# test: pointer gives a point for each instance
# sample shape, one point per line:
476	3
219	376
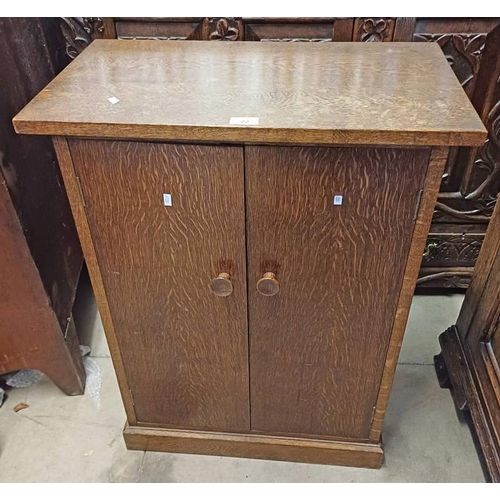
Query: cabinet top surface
318	93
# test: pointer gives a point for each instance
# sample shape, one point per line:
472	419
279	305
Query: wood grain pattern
334	93
254	446
317	348
423	221
184	348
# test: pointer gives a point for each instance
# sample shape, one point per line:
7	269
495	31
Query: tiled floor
65	439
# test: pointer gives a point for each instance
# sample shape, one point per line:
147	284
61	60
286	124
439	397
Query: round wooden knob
222	286
268	285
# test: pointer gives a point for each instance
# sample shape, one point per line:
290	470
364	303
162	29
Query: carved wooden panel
158	30
475	197
463	52
222	29
463	43
374	29
458	247
78	32
237	29
481	183
290	32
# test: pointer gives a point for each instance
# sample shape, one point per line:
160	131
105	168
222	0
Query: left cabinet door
165	221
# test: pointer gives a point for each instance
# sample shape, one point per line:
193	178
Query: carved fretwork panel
374	29
158	29
485	184
222	29
241	29
477	192
215	29
78	32
463	52
289	32
470	184
452	250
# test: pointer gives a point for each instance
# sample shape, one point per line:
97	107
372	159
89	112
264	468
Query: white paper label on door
167	199
337	199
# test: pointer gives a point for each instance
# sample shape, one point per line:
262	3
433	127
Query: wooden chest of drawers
253	217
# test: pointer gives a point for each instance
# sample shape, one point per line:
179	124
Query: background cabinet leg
442	372
67	371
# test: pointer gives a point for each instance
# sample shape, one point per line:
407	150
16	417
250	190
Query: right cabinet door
333	226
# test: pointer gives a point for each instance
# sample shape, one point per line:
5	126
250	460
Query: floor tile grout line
141	467
416	364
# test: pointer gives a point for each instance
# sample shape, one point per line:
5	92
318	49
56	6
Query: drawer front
184	348
318	346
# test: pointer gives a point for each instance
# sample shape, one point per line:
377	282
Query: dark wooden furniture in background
472	177
470	359
254	296
40	253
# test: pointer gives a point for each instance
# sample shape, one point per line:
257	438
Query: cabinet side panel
433	178
317	348
166	220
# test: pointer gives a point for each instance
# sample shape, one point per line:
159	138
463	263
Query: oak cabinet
254	235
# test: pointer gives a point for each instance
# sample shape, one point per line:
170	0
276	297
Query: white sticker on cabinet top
167	199
246	121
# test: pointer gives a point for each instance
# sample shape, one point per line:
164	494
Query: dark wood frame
41	255
468	364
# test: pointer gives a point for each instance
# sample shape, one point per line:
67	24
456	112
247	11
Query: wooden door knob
268	285
222	286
